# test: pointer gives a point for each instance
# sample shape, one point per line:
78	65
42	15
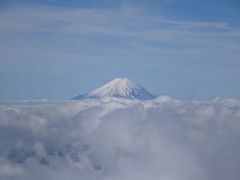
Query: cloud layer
113	139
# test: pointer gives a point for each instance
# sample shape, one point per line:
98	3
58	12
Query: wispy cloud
42	36
125	31
118	23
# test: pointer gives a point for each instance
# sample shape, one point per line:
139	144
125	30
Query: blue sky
58	49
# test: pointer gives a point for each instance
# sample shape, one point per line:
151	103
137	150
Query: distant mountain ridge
119	87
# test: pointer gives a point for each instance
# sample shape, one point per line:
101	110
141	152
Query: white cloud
120	139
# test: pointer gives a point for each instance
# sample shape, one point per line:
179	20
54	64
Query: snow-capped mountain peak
119	87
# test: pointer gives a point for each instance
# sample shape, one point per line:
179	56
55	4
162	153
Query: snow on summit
119	87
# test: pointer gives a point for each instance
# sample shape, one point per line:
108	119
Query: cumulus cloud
115	139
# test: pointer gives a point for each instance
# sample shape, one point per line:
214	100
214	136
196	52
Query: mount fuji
119	87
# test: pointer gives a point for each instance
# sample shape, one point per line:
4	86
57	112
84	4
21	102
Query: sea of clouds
119	139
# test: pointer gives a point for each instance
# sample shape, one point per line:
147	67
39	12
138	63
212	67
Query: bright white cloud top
116	139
